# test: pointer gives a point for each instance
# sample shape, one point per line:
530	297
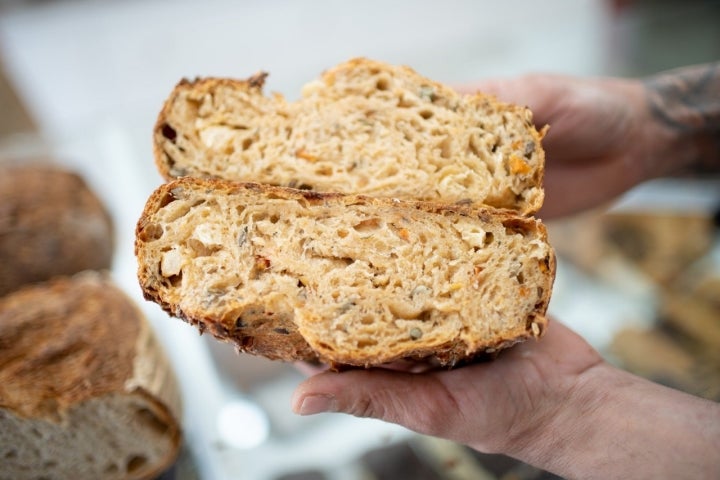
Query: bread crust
526	202
51	224
275	334
75	342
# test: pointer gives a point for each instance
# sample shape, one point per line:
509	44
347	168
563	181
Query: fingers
421	402
483	405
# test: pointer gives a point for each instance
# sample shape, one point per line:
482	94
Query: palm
484	405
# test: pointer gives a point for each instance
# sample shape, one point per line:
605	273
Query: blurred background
82	81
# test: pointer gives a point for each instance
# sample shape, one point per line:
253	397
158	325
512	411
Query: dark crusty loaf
345	279
364	127
85	391
51	224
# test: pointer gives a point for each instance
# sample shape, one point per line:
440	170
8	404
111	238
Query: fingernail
313	404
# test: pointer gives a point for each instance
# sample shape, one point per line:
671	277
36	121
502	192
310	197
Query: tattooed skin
687	101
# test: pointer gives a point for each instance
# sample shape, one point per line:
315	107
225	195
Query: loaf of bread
364	127
345	279
51	224
85	391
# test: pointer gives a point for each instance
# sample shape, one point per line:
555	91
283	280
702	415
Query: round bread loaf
85	390
51	224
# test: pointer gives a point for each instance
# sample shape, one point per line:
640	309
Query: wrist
615	425
683	110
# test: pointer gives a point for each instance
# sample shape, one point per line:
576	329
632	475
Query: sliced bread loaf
364	127
344	279
85	391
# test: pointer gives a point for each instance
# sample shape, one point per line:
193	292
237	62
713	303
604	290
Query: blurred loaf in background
86	391
51	223
669	253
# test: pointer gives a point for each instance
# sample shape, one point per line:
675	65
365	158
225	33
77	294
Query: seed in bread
344	279
364	127
51	224
85	391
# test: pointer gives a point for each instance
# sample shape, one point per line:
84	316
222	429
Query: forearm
684	105
616	425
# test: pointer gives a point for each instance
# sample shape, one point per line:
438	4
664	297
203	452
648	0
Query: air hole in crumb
367	320
368	225
150	420
325	170
50	464
150	232
36	433
382	84
274	218
10	454
168	132
426	114
247	143
366	343
540	291
520	278
135	463
489	238
446	148
111	468
342	233
174	280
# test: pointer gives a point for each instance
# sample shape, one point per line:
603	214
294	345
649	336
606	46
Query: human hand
602	140
491	406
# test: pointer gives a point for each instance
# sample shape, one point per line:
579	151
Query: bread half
364	127
85	390
344	279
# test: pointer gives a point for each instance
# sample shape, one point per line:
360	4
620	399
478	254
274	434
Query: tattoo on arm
687	101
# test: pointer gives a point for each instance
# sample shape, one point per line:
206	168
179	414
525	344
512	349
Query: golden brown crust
64	342
162	130
70	351
273	334
51	224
